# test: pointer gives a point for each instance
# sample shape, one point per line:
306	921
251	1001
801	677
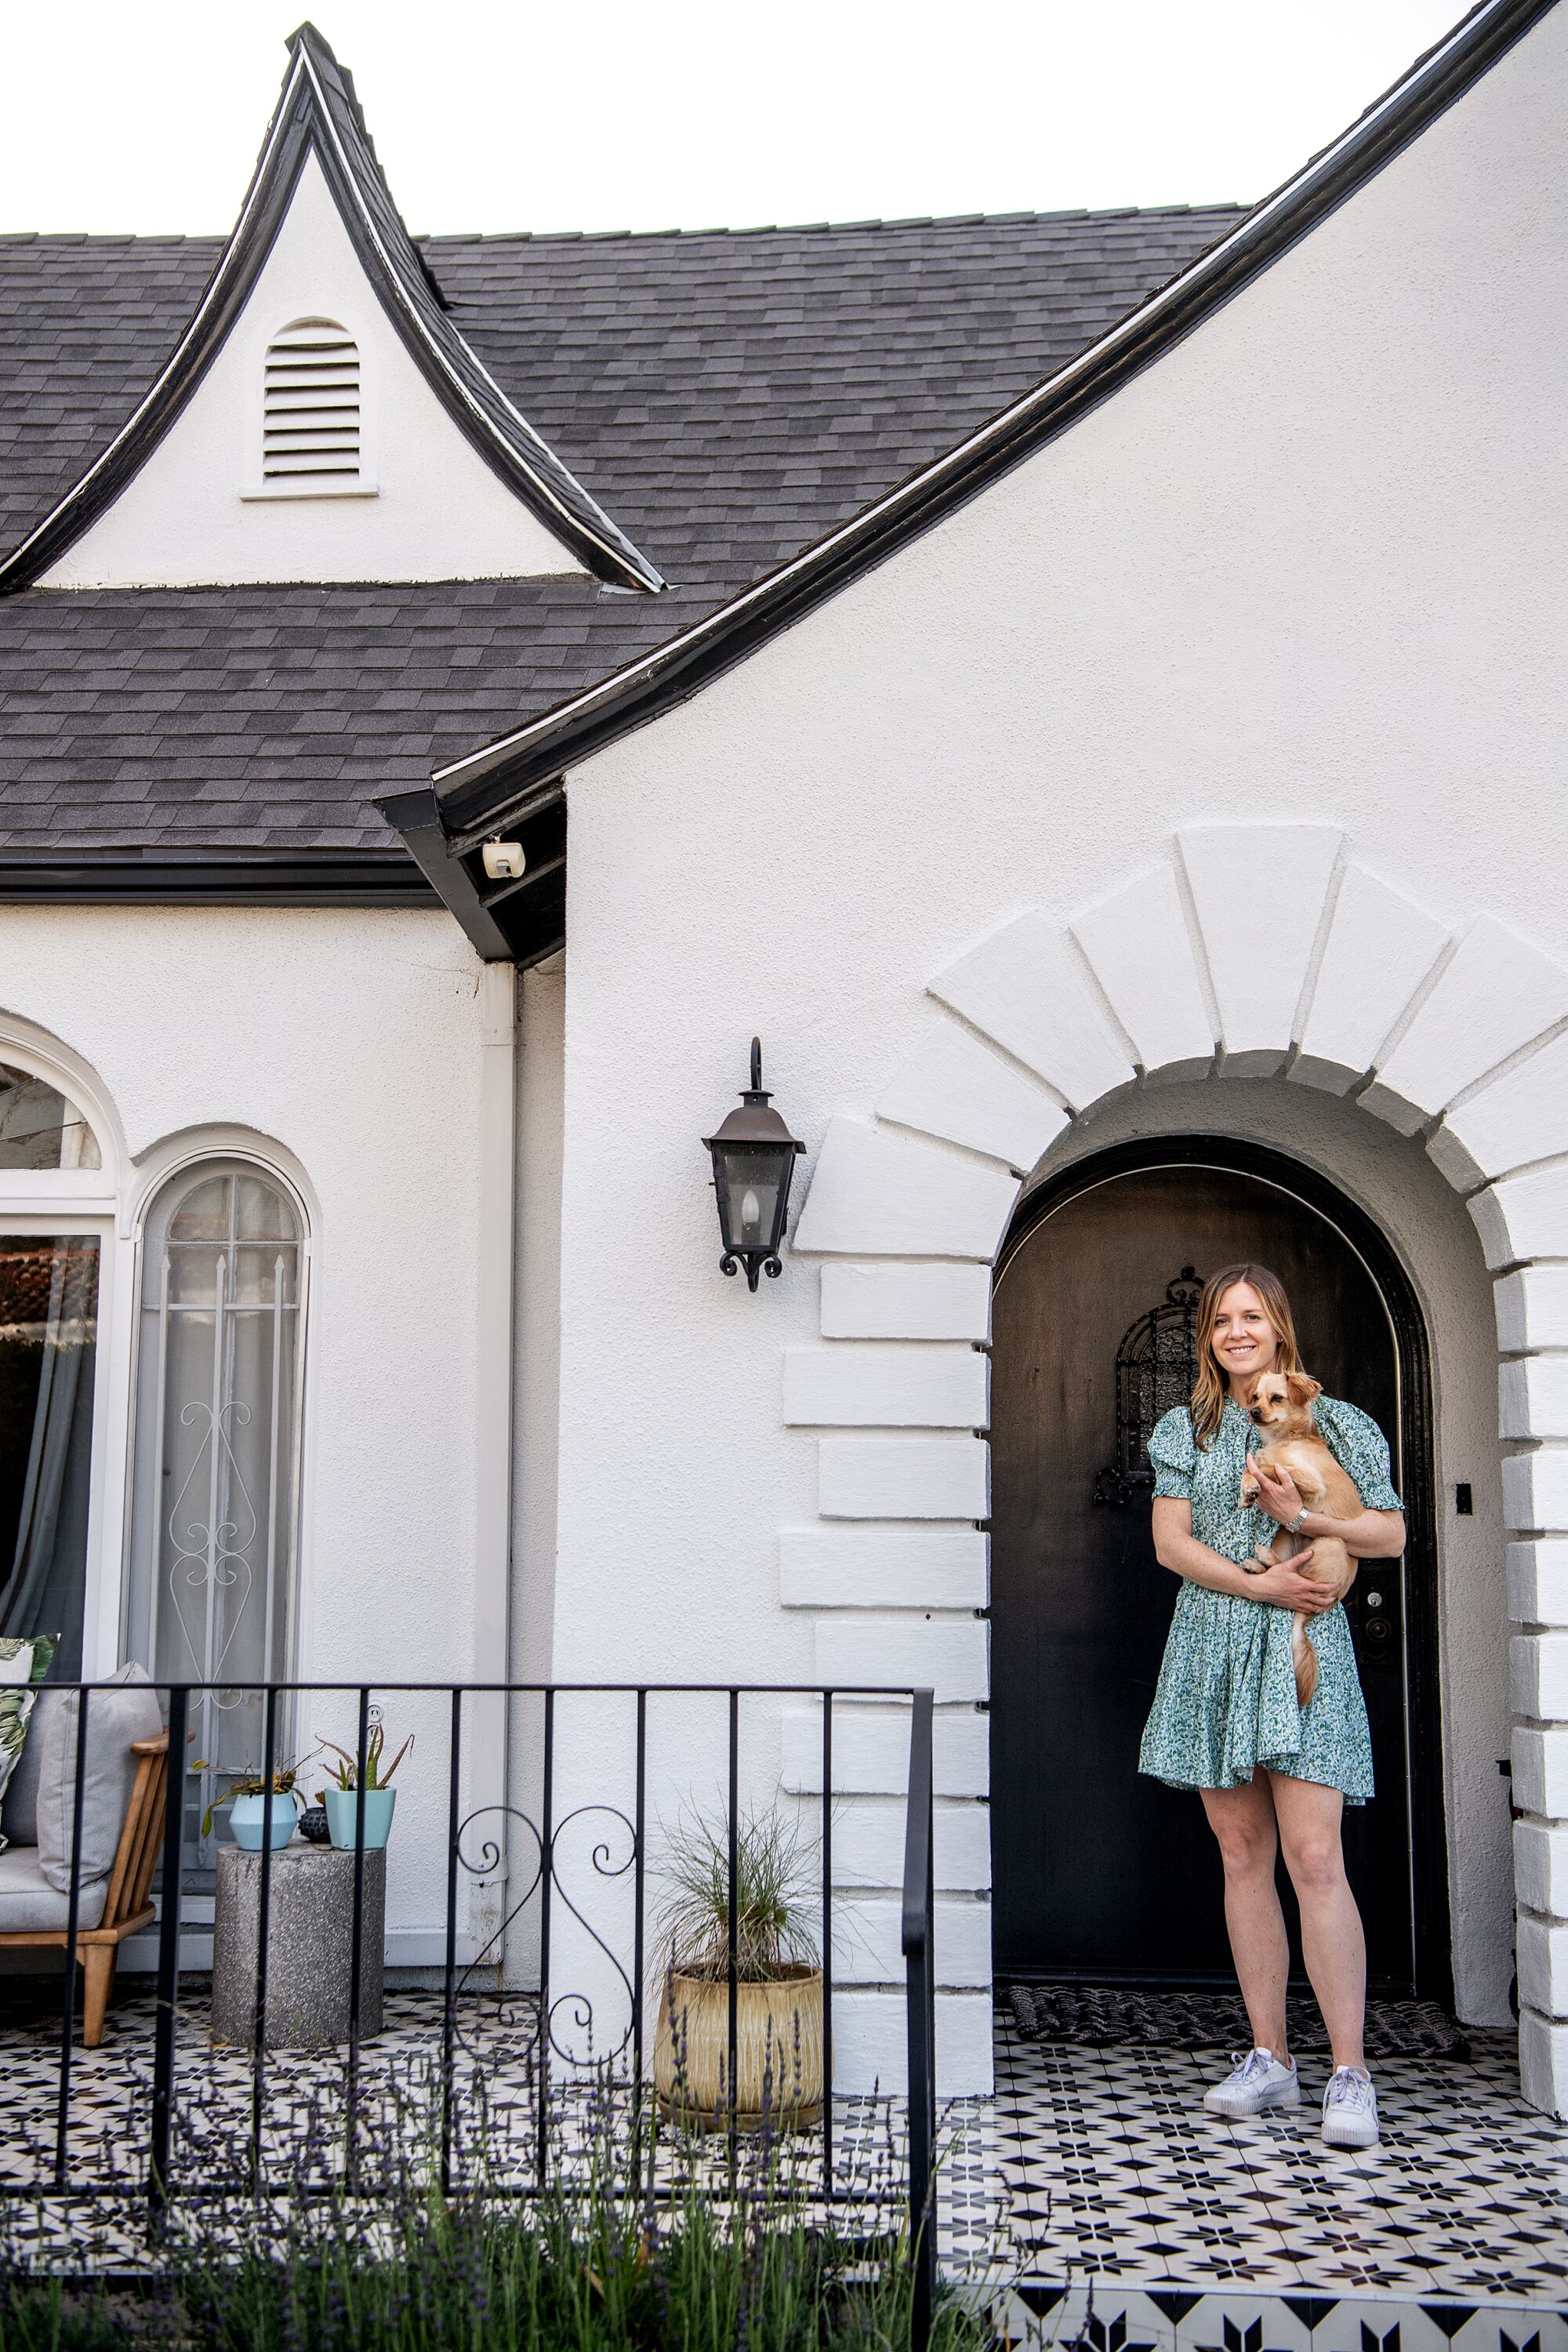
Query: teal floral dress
1226	1699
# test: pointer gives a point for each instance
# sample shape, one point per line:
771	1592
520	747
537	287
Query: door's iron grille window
212	1582
1156	1365
310	410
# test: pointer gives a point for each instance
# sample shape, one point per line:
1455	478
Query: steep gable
448	480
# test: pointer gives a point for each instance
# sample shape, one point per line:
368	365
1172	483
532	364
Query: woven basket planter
778	2046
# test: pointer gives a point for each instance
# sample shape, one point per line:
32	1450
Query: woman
1225	1720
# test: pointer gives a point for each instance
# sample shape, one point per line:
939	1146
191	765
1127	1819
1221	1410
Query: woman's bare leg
1332	1944
1243	1821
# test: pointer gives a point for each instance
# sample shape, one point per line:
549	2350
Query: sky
145	115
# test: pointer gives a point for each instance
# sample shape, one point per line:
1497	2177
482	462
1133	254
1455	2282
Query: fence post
168	1948
920	2007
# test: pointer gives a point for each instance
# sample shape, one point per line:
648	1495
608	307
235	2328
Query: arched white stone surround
1458	1042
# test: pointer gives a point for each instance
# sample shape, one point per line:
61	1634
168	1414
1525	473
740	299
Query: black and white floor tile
1138	2221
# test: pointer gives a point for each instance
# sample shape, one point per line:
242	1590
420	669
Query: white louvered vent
310	408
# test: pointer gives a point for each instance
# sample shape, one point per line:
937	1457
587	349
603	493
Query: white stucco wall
1310	567
438	511
348	1051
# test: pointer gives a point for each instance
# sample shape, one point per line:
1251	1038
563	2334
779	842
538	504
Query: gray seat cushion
28	1903
115	1716
19	1816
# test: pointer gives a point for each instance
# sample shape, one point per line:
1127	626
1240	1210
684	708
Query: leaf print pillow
24	1663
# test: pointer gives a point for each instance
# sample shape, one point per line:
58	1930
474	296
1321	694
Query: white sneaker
1256	2082
1349	2109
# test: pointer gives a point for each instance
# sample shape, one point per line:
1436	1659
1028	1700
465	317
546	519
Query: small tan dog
1282	1408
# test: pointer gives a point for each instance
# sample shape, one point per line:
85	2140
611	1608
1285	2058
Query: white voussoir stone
869	1845
1496	994
1226	867
1022	988
1540	1868
1380	949
872	1946
1531	1305
946	1654
1535	1490
1541	1954
871	1750
905	1302
1538	1676
1142	954
1519	1117
882	1568
1538	1582
903	1478
1532	1397
1540	1771
1523	1217
869	1386
870	2043
1543	2061
879	1195
957	1089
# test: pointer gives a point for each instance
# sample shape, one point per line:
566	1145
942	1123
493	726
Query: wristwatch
1293	1527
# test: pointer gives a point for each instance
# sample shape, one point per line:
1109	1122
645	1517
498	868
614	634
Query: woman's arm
1371	1534
1177	1549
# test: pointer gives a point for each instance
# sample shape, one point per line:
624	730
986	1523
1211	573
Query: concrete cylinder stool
309	1946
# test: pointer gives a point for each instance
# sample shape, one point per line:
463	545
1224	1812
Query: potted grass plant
778	2074
342	1797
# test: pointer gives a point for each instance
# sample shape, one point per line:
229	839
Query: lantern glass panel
751	1180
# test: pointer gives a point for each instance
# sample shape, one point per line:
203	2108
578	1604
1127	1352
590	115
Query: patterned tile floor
98	2221
1095	2198
1185	2230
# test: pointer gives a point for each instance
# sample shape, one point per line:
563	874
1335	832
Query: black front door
1099	1874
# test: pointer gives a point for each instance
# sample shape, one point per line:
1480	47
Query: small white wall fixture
1458	1037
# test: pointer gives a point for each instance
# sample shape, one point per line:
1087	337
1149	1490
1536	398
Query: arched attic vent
310	407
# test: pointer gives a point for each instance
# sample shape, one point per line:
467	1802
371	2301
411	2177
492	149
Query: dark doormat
1105	2015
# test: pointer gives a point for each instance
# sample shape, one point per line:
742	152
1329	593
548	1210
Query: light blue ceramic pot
247	1818
341	1807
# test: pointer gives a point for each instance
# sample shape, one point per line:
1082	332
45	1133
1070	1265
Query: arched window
310	408
212	1586
51	1163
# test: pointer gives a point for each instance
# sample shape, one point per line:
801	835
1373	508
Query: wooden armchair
127	1906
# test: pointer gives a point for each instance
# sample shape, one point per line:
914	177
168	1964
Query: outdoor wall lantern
753	1160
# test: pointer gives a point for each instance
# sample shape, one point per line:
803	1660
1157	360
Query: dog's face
1282	1404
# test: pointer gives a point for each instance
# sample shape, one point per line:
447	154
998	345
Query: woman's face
1245	1342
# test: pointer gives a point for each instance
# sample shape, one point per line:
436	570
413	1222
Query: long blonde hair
1209	1388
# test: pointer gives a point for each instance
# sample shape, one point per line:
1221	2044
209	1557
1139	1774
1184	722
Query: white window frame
85	1201
219	1149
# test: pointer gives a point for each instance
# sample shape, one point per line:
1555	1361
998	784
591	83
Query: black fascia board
520	921
349	878
483	790
316	113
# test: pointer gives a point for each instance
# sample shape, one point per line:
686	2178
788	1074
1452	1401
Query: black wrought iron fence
497	2065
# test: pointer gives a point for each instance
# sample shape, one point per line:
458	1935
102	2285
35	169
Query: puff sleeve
1360	1447
1174	1455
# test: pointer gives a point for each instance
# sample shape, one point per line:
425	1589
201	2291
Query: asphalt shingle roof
727	398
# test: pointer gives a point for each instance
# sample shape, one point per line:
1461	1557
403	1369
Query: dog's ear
1301	1389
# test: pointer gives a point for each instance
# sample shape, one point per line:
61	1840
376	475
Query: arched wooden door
1100	1875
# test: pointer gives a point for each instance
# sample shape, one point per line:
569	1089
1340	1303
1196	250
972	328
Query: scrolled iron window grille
1156	1365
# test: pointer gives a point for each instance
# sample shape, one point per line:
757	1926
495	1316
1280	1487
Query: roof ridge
1070	212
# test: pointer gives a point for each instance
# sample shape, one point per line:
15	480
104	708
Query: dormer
321	418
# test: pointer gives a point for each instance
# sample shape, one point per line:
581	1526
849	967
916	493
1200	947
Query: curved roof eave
475	794
317	112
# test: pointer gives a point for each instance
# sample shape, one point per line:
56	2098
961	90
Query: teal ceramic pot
341	1807
247	1820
